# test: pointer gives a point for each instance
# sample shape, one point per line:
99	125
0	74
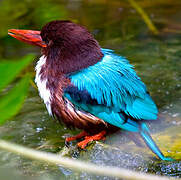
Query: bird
88	87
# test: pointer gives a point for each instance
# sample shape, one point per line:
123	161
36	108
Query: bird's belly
74	117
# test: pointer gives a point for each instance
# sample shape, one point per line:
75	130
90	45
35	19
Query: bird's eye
47	41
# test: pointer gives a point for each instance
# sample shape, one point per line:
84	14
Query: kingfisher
89	87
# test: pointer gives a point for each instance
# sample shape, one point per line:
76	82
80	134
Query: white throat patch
43	90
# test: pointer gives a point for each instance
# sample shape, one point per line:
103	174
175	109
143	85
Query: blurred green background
117	25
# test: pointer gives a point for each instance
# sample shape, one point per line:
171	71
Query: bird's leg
96	137
78	136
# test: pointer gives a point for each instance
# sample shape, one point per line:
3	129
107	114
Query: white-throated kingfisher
88	87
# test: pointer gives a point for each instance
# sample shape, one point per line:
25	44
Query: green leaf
11	103
10	69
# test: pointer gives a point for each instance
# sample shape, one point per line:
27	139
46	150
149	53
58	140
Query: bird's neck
70	58
57	63
48	74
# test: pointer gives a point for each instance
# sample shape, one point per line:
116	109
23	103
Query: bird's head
65	42
61	33
54	33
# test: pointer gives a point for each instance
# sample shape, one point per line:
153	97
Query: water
157	59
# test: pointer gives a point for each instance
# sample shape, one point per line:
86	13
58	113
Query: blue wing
116	88
112	91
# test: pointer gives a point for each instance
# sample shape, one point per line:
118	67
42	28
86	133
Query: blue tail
144	132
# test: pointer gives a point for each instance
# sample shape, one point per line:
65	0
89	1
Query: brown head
67	45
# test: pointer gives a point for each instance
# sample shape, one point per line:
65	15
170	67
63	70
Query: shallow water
157	60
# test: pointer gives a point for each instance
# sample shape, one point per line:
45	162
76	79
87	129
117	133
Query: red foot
78	136
100	136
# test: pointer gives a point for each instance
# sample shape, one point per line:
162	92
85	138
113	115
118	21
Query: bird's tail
144	132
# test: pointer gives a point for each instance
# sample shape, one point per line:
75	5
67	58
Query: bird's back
113	84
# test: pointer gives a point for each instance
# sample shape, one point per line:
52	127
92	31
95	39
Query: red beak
27	36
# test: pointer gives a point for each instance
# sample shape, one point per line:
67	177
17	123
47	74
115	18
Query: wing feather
114	83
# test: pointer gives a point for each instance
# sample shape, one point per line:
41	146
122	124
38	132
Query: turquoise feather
114	83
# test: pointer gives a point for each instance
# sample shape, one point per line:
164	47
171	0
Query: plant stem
77	165
145	17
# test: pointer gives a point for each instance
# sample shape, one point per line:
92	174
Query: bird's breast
41	82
